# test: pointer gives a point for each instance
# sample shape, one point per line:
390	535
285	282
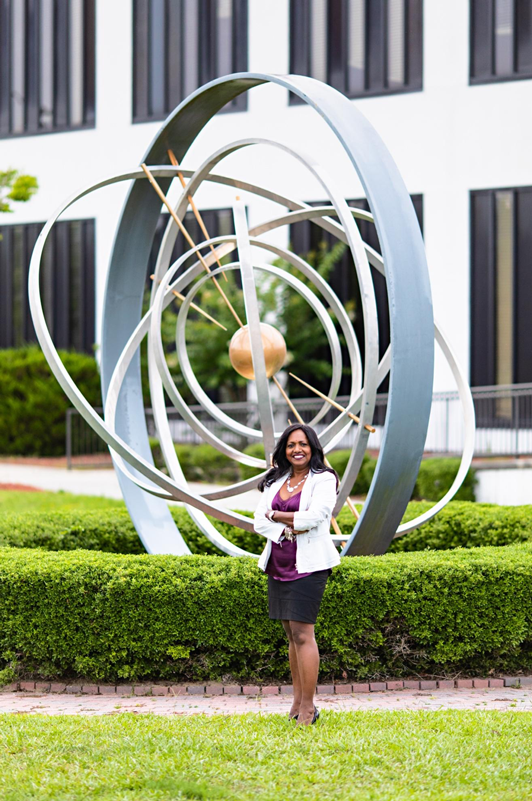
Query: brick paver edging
255	689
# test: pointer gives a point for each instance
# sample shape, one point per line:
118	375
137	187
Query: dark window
500	40
47	66
307	236
67	284
501	286
178	45
361	47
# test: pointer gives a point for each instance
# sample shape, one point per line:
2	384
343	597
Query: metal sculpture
256	350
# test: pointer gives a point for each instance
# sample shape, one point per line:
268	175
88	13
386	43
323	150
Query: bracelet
289	533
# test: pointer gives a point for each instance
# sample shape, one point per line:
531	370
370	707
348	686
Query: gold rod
189	239
287	399
300	420
194	306
194	208
332	402
200	310
335	526
353	508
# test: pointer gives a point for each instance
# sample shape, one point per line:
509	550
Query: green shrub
213	466
106	530
434	479
32	422
198	543
205	463
459	525
338	460
469	525
184	454
256	450
44	501
109	617
109	530
157	453
199	463
436	476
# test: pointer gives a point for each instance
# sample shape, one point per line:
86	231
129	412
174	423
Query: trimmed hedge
107	617
469	525
458	525
109	530
33	404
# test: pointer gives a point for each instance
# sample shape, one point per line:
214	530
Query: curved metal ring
464	391
164	538
312	275
408	288
294	283
359	257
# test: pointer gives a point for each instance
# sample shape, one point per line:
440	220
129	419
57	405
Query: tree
308	349
208	345
16	187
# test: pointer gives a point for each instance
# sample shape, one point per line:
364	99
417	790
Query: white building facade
86	84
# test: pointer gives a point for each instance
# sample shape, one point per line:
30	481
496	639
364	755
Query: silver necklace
292	489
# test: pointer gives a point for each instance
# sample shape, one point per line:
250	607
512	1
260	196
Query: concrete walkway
101	482
497	698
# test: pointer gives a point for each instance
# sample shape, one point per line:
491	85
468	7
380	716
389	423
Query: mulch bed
19	488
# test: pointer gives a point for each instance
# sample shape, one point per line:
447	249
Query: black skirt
299	599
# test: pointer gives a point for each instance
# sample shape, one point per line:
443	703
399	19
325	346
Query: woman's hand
280	517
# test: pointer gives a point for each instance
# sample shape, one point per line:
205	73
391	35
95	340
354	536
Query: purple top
282	562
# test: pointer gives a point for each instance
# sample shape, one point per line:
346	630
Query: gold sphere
274	351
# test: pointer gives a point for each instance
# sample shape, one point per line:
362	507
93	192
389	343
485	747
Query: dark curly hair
281	465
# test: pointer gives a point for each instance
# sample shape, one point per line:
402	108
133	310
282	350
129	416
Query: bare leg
294	669
308	662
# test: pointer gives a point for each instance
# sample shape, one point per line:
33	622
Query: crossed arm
287	518
321	506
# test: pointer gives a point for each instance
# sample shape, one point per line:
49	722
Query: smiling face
298	451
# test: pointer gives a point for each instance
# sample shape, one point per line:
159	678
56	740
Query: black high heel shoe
314	719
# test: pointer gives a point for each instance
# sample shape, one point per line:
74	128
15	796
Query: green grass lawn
13	501
377	755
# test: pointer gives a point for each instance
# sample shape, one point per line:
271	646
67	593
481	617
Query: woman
295	515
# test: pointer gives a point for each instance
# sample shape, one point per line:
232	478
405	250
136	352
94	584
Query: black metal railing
503	419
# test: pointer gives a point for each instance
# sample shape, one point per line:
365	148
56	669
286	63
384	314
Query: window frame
413	61
485	330
240	55
475	80
304	242
55	284
32	72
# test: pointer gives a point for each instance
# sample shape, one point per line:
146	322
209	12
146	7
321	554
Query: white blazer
315	548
